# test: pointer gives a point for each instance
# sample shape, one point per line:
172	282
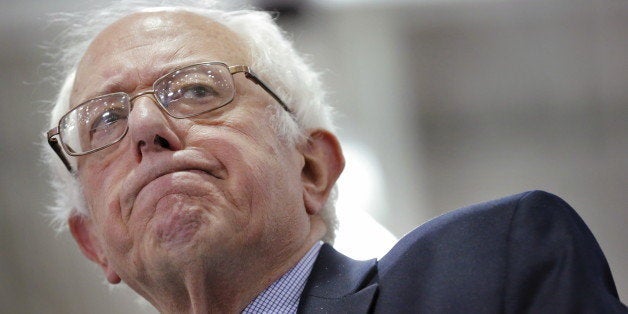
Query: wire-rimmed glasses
183	93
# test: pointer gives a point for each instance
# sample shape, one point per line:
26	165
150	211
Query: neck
204	290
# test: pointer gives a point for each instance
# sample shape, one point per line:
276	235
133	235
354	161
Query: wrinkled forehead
135	50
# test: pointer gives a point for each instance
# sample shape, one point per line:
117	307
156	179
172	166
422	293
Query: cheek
277	213
104	206
104	171
107	158
100	185
264	178
263	175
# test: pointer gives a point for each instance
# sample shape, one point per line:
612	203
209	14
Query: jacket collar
339	284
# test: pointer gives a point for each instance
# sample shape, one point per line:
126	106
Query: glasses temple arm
250	75
54	144
268	90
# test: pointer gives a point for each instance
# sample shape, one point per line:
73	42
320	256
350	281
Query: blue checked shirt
283	295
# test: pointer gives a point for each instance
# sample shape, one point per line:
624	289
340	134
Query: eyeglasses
183	93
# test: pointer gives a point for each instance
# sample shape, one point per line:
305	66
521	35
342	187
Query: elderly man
198	166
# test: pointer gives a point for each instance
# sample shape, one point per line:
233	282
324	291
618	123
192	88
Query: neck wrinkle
224	293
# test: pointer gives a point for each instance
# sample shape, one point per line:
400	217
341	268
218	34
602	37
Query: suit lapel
339	284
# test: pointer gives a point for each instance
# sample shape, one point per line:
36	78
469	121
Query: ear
323	164
83	231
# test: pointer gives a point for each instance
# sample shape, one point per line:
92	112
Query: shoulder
500	254
483	226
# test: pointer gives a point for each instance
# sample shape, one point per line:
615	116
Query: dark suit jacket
527	253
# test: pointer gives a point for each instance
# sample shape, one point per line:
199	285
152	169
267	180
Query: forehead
135	50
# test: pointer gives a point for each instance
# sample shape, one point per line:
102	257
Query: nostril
161	142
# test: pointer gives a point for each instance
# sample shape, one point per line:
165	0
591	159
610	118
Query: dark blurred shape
285	9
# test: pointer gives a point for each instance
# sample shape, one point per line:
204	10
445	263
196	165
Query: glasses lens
195	89
95	124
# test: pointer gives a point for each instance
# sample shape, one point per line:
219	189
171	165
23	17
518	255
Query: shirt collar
283	295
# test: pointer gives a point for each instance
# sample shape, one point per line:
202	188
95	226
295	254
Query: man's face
211	191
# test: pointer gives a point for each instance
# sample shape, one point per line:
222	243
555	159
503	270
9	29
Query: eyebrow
112	87
120	82
107	88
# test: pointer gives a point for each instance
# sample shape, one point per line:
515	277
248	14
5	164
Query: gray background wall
452	102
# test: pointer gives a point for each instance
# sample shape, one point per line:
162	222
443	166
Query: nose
150	129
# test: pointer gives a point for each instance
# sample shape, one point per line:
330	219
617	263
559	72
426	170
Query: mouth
145	174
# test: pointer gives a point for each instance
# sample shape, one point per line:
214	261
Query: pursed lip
150	170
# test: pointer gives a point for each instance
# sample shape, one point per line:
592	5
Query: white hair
274	60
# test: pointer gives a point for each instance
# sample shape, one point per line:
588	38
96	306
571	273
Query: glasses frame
57	145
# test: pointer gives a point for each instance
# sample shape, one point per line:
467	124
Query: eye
106	119
107	125
197	91
190	98
194	90
191	95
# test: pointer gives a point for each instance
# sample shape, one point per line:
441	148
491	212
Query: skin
197	215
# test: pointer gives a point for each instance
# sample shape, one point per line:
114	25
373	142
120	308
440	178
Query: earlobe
81	228
323	164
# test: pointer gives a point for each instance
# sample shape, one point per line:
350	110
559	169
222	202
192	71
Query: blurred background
442	103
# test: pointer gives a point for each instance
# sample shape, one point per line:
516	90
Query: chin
179	227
